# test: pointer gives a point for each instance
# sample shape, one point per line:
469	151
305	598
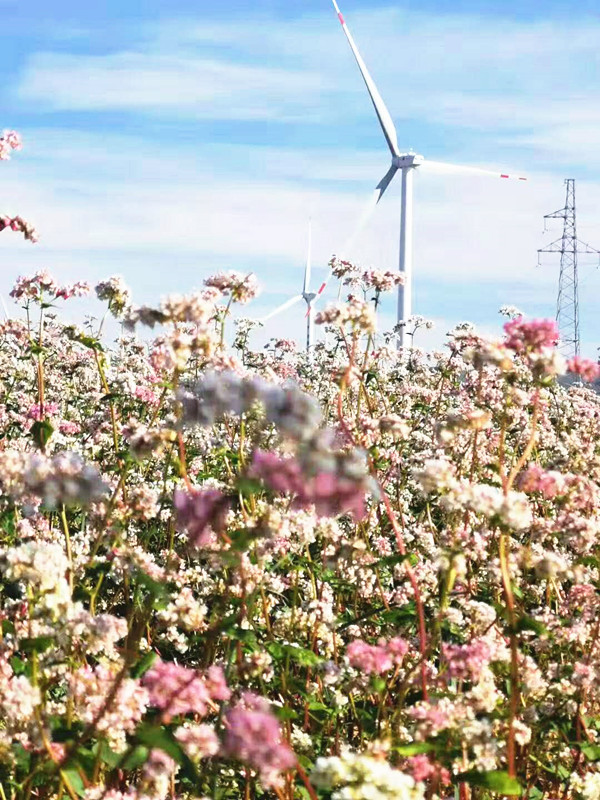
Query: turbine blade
288	303
385	182
318	294
440	166
383	115
308	267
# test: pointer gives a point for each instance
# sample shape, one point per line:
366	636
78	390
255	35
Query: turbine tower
307	295
407	163
569	247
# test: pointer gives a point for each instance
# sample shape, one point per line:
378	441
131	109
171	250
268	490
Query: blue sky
167	140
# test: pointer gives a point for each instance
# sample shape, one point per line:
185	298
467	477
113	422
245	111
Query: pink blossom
422	769
201	512
145	395
77	289
242	288
68	427
10	140
179	690
370	658
530	336
397	648
375	659
537	479
35	412
253	736
332	495
329	493
42	283
198	741
589	370
20	225
279	474
466	661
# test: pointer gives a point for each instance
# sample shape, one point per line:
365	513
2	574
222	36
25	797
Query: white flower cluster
512	509
116	292
41	566
359	314
63	479
356	776
292	411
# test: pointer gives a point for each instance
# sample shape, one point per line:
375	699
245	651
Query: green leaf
496	780
317	705
156	588
527	623
275	650
393	560
248	487
64	734
35	644
71	774
242	635
591	752
90	342
41	431
134	758
300	655
144	664
284	713
414	749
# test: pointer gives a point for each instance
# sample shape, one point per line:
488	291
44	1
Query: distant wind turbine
309	297
407	162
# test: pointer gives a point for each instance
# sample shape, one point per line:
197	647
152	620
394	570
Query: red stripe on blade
341	18
505	176
522	179
323	285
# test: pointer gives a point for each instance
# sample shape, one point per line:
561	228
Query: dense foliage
236	574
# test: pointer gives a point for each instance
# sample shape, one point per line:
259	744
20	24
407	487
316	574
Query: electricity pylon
569	247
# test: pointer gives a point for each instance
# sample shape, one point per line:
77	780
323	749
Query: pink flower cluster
178	690
42	283
584	367
530	336
329	493
36	412
253	735
91	686
242	288
201	513
21	226
383	280
466	661
422	768
537	479
10	140
375	659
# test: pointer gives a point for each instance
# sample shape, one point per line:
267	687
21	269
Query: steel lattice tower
569	247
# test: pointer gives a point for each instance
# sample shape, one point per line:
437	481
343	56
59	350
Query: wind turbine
306	295
407	163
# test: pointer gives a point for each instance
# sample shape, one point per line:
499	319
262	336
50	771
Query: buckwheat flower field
237	574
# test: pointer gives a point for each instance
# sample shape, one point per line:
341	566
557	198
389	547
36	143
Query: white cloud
467	72
210	88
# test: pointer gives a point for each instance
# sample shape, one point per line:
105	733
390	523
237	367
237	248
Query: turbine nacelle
407	160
